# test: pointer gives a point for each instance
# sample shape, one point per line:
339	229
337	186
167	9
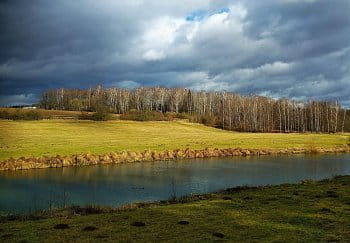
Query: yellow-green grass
307	212
67	137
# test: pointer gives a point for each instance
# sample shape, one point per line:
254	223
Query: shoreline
312	211
45	162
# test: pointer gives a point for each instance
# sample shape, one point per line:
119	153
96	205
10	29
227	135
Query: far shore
147	156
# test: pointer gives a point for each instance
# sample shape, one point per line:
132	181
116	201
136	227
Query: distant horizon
37	101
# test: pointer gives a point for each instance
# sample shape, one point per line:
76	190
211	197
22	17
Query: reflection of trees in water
152	173
155	172
48	198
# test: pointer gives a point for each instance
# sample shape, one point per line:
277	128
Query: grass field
67	137
306	212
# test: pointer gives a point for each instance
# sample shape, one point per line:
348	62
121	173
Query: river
114	185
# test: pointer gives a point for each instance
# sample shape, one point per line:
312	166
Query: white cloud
153	55
268	69
162	31
128	84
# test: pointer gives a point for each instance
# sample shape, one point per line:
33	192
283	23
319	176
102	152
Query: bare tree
231	111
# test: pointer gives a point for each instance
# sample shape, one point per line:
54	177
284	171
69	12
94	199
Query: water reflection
25	191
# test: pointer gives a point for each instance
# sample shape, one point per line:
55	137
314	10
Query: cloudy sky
280	48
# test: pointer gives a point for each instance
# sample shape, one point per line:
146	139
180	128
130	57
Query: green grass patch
67	137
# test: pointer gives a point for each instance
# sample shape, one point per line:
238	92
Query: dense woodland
222	109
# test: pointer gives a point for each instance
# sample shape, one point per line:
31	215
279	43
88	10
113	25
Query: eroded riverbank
58	161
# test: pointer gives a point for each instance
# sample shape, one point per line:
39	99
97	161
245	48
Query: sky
297	49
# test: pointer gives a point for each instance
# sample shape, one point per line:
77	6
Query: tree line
227	110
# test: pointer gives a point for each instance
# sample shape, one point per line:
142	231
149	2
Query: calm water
27	191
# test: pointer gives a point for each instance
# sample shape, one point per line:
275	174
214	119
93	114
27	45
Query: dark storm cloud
292	48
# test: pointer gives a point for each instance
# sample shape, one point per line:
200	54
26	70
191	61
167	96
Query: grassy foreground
67	137
305	212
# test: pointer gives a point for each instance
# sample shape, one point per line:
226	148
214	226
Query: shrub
135	115
19	114
101	116
33	115
182	115
169	116
84	116
208	120
203	119
4	114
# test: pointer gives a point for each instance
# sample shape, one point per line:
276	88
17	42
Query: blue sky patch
199	15
224	10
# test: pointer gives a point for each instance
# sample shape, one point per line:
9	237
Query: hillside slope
67	137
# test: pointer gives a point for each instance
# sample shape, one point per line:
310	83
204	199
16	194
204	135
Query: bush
182	115
85	116
101	115
169	116
34	115
20	114
208	120
4	114
135	115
